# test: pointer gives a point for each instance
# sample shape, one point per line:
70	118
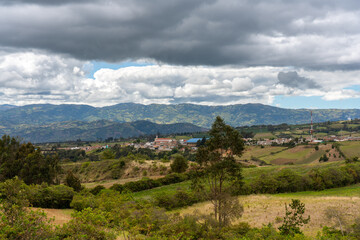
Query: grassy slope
350	149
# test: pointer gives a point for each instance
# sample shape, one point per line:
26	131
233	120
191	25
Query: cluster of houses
167	144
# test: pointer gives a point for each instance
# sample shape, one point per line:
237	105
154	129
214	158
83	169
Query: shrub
179	164
84	200
72	181
55	196
97	189
87	224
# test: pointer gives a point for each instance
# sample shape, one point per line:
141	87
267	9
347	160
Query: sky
284	53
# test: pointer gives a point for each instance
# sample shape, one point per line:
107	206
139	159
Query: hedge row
316	179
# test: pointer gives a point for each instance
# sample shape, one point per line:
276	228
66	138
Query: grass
60	216
264	209
350	149
258	152
348	191
264	135
163	190
293	155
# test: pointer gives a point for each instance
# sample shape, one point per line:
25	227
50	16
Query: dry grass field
264	209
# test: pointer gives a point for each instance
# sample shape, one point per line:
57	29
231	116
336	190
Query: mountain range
72	121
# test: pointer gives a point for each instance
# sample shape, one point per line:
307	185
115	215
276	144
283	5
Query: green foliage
147	183
72	181
26	162
87	224
108	154
179	164
293	218
288	180
18	222
97	189
116	169
324	158
180	199
74	155
219	170
53	196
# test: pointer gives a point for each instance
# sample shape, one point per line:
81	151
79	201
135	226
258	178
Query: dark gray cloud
308	34
293	80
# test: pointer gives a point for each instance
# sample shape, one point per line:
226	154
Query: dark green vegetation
218	174
93	131
26	162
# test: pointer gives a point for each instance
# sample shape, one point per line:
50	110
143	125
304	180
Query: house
193	142
164	143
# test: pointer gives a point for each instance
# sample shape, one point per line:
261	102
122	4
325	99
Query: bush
56	196
180	199
87	224
179	164
97	189
84	200
72	181
147	183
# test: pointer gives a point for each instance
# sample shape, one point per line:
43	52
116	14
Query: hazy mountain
91	131
235	115
6	107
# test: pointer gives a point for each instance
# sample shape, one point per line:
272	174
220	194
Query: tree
293	219
17	220
336	214
26	161
72	181
179	165
219	171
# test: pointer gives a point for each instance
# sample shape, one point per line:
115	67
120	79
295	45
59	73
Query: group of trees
27	162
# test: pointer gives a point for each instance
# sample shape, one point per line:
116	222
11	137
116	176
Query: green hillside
92	131
235	115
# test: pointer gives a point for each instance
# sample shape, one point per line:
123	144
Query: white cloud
38	77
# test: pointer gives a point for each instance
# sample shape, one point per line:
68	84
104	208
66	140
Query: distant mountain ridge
200	115
97	130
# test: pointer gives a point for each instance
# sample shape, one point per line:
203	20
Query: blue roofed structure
193	140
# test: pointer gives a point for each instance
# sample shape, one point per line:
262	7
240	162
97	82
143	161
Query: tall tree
219	174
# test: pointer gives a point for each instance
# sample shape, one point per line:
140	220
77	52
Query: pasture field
301	154
350	149
264	135
292	155
258	152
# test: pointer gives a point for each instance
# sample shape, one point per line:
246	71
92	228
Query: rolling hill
200	115
92	131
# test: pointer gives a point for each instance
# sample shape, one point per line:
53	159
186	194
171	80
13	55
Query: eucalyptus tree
219	174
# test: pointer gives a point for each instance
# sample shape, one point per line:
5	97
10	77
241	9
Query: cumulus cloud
306	34
39	77
293	80
34	77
